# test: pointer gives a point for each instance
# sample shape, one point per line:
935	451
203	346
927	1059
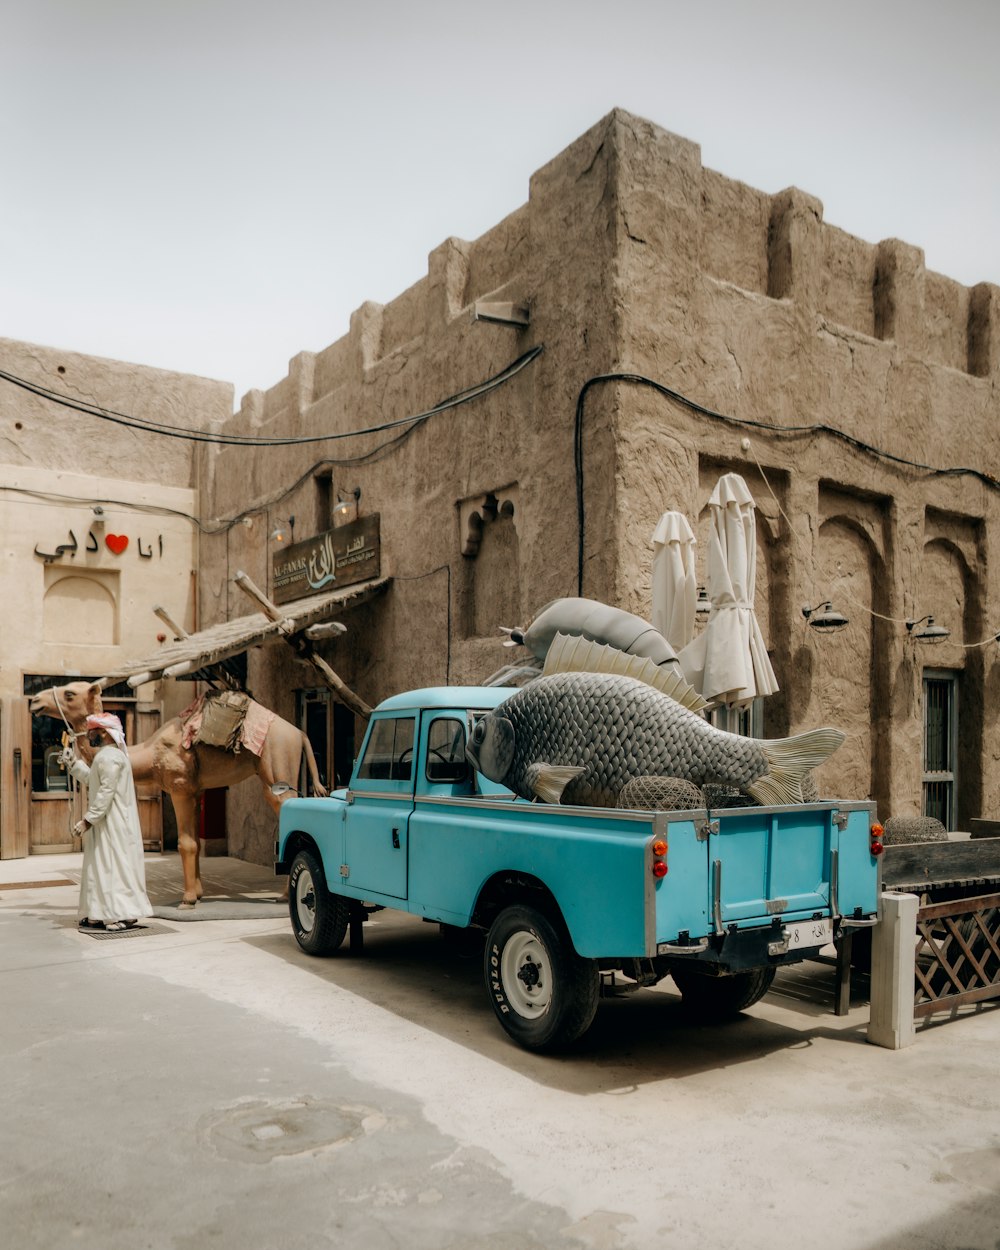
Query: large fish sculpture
579	737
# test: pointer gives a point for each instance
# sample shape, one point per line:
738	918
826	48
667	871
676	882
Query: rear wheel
716	998
543	993
319	918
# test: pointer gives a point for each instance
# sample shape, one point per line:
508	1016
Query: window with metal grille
940	744
747	721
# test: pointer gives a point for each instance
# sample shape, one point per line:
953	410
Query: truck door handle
395	839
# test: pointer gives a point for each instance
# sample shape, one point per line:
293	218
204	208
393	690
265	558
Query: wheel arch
511	886
300	840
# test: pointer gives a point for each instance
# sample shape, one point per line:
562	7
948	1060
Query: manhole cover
259	1131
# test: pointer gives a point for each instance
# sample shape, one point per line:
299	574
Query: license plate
807	934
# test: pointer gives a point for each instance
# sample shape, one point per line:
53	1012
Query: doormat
138	930
34	885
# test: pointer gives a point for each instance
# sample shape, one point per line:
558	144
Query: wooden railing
957	954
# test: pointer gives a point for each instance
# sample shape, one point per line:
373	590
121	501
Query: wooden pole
179	632
303	647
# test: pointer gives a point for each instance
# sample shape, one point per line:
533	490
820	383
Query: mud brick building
639	326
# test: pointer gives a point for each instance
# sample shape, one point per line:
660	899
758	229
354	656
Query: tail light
876	845
659	849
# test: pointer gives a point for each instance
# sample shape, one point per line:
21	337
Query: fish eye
479	733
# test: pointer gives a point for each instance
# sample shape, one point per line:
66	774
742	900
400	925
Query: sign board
339	557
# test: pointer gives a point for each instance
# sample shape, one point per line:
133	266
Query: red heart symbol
116	543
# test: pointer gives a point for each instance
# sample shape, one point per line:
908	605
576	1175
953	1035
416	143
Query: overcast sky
214	185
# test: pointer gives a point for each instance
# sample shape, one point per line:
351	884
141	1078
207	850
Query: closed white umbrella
728	662
674	583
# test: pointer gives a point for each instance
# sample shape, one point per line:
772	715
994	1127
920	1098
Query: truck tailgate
786	861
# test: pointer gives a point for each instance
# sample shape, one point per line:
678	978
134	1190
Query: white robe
113	880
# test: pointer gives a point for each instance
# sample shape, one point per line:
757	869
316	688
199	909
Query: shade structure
728	662
213	645
675	591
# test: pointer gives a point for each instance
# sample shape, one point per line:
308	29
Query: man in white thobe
113	880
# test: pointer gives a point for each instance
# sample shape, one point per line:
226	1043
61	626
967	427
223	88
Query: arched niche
950	592
80	610
848	688
490	592
945	578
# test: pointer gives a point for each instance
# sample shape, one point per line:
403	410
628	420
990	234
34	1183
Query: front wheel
543	993
715	998
319	918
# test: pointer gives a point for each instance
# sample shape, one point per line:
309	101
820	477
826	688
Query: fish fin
571	654
789	761
548	781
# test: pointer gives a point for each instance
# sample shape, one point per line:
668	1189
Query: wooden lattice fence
958	954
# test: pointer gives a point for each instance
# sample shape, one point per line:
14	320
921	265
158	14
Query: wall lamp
284	531
346	508
825	618
928	633
703	605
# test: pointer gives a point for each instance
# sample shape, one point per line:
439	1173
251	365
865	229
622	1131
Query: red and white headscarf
110	724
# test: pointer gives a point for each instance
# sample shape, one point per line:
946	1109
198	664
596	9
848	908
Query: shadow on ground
410	969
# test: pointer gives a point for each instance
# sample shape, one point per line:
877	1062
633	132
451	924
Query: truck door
378	818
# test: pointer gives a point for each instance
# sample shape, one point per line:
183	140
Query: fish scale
600	730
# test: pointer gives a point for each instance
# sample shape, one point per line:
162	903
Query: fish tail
789	761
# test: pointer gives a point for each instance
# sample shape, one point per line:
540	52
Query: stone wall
757	309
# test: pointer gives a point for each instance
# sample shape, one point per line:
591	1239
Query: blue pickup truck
716	899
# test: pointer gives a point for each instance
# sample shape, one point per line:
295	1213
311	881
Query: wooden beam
916	865
249	588
303	647
164	616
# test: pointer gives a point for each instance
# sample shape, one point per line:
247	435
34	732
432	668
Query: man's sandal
115	926
86	923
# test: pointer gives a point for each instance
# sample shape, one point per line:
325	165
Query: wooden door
148	793
15	777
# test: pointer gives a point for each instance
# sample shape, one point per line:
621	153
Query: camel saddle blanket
227	719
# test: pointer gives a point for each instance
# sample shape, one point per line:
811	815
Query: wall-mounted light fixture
505	313
929	632
284	532
703	605
346	508
825	618
99	518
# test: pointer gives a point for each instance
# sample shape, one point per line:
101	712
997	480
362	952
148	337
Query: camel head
78	700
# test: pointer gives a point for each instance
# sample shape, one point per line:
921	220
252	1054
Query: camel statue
185	772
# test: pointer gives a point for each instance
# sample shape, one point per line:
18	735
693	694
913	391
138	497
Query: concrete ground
203	1083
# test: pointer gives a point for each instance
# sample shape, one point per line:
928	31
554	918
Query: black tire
544	995
716	998
319	918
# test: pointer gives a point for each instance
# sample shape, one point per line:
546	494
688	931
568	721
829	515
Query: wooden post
303	647
179	632
894	946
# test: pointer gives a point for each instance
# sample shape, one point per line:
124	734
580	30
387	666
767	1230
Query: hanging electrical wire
769	427
405	425
147	426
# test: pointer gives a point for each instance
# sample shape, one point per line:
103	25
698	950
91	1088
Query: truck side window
446	760
389	754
